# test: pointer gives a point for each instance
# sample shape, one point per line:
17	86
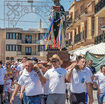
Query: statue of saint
58	12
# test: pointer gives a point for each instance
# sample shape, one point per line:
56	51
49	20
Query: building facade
17	43
84	24
100	21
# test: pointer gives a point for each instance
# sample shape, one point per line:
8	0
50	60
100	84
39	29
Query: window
28	39
85	30
18	48
12	47
76	14
10	35
35	37
71	35
12	58
79	29
19	36
7	47
93	21
28	51
82	8
7	58
7	36
40	36
41	48
14	35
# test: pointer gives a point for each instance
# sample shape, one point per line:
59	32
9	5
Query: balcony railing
77	38
24	53
29	42
70	42
99	5
84	11
69	21
100	38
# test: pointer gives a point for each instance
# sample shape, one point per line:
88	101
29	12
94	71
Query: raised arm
42	78
70	69
15	93
90	92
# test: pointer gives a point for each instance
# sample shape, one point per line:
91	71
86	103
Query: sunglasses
54	61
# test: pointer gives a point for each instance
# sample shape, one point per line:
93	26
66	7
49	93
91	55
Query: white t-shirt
31	82
87	69
3	72
100	79
20	67
8	85
79	80
56	79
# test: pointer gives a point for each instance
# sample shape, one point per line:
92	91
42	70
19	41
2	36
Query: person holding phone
80	82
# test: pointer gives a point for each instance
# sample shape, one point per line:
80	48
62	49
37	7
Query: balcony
77	38
100	38
69	22
100	8
31	42
28	54
69	42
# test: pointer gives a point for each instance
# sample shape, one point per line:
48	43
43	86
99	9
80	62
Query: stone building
84	23
16	43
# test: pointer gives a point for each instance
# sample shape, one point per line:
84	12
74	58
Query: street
17	100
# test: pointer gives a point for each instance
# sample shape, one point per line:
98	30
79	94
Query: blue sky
29	20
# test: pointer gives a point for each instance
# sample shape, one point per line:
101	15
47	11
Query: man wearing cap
56	76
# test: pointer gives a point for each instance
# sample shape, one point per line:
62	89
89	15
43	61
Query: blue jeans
34	99
86	98
24	98
101	98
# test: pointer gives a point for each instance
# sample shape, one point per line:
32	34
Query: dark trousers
77	98
1	93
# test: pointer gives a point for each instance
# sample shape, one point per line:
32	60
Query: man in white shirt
56	77
3	73
20	68
80	82
99	82
32	83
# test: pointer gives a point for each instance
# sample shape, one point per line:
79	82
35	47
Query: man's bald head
29	65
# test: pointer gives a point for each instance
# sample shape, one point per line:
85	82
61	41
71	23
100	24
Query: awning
81	51
98	49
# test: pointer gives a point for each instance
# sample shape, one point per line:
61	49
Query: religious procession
62	64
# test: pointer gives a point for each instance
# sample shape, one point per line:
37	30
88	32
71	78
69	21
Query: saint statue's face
56	1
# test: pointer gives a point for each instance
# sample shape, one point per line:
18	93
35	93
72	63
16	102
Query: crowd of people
49	83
